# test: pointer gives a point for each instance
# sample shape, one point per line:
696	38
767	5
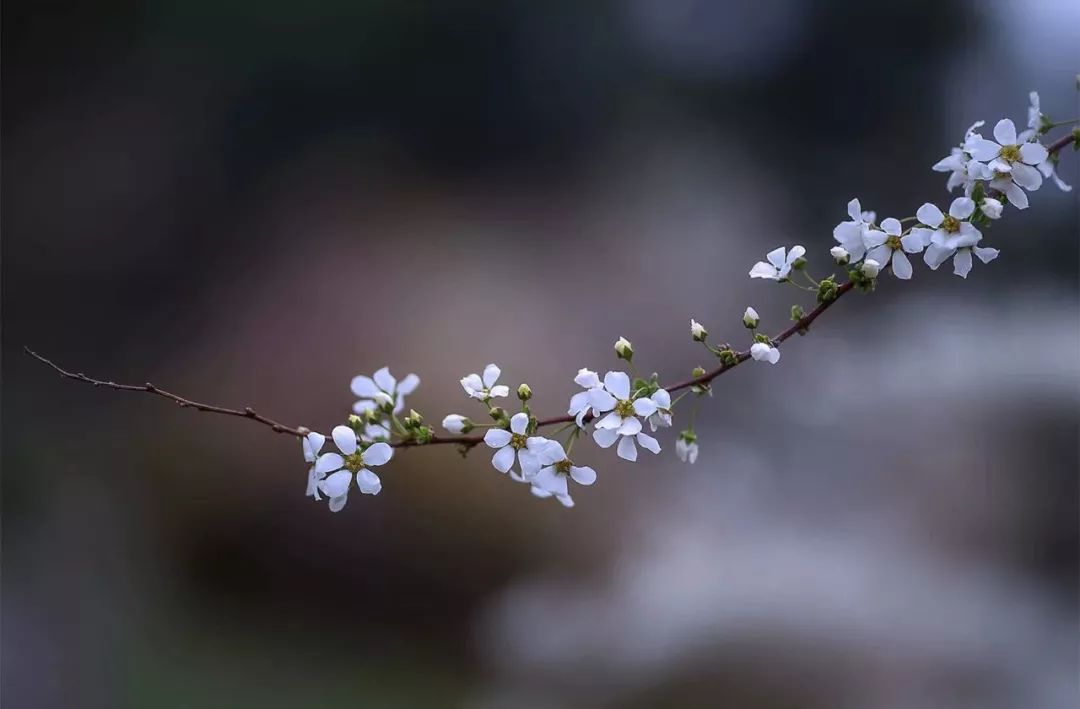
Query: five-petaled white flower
850	234
963	170
950	231
484	387
621	422
780	262
890	243
382	389
513	445
352	461
311	444
556	468
1011	160
581	402
764	352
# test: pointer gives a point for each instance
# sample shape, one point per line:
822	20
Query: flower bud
356	423
827	290
750	318
623	349
457	424
727	356
991	208
698	331
498	414
413	420
524	392
799	264
697	372
840	255
797	313
384	401
870	268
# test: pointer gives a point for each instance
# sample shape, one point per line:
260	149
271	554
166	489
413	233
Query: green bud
688	435
698	331
697	372
623	349
750	318
827	290
413	420
498	414
423	434
727	356
524	392
800	264
356	423
797	313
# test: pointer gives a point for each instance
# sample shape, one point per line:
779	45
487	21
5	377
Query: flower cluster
622	410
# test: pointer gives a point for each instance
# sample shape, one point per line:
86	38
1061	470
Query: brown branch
468	441
247	412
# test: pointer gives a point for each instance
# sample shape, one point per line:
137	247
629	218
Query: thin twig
466	441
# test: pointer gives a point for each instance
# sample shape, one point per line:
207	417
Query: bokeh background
250	203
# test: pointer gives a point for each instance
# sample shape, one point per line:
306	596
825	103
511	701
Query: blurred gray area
251	203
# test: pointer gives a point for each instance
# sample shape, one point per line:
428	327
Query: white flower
686	450
557	468
763	352
991	208
779	263
889	244
352	461
455	423
1009	157
382	389
698	331
514	444
870	268
840	255
963	170
950	232
850	234
484	388
936	255
660	403
311	444
750	318
582	401
621	424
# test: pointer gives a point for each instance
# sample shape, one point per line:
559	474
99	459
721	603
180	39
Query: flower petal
368	482
982	149
881	254
776	257
604	437
491	375
583	475
962	263
644	407
901	265
337	484
630	427
986	255
618	383
378	453
1033	153
344	439
1027	177
328	462
408	385
916	240
962	208
892	226
763	270
472	384
519	423
1005	132
363	387
602	400
384	380
874	238
499	390
627	450
587	378
503	459
497	437
648	443
337	504
930	215
610	422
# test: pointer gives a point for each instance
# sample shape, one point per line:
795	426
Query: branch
464	440
148	388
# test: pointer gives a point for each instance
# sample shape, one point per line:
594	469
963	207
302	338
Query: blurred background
249	203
